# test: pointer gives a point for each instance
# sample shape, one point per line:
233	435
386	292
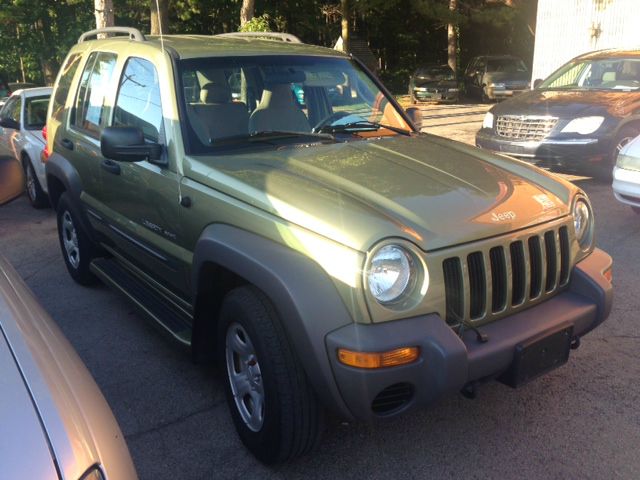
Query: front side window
94	85
11	109
35	112
138	103
599	74
234	98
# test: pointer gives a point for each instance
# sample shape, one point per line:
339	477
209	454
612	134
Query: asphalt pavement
580	421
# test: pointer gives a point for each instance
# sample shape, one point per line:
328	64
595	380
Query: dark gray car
496	77
433	83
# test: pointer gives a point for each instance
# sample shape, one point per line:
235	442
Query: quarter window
67	73
138	103
94	85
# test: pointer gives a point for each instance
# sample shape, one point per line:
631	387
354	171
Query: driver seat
278	110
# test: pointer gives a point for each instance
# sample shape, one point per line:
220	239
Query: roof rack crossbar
134	33
285	37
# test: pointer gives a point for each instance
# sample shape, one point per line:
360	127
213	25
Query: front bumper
502	93
626	186
449	362
558	152
435	96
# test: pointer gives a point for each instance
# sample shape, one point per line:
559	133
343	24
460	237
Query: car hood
431	191
421	82
24	448
507	77
570	103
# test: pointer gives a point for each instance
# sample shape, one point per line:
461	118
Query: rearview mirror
127	144
537	82
415	115
9	123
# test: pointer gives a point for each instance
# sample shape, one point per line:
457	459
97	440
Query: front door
140	200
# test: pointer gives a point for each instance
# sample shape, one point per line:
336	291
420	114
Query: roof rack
284	37
134	33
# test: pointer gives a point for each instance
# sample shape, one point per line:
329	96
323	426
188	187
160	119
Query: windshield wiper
286	133
362	125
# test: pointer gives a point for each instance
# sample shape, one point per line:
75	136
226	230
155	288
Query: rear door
9	136
80	142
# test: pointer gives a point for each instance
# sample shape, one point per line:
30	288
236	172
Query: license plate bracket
539	355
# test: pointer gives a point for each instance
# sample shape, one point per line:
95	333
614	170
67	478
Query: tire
257	359
77	248
484	98
35	194
624	136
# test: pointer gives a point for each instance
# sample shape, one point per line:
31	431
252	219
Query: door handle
110	166
66	143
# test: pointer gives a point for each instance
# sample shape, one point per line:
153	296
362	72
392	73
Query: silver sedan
54	422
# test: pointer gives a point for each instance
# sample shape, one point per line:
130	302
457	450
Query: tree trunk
345	7
103	10
159	24
452	38
247	11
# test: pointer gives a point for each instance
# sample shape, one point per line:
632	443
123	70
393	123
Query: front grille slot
487	283
498	279
518	282
552	260
454	288
477	285
535	263
564	255
524	128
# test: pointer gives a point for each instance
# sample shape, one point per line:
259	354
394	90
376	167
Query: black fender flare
304	296
59	169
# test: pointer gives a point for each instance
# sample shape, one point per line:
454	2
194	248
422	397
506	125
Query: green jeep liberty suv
271	206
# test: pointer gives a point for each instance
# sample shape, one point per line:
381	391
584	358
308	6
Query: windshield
232	99
435	73
601	74
509	65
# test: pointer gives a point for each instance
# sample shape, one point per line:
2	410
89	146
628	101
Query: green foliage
402	33
257	24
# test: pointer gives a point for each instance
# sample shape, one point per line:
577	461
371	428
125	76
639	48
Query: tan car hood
426	189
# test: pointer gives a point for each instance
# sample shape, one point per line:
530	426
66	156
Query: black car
433	83
496	77
577	119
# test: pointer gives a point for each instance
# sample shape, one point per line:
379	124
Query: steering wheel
329	120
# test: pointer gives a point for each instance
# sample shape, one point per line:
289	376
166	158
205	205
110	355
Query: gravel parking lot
580	421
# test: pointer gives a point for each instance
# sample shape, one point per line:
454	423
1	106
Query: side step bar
148	302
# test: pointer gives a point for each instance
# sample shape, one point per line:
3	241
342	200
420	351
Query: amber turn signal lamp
608	274
392	358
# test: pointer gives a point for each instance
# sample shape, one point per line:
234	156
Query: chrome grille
524	128
481	285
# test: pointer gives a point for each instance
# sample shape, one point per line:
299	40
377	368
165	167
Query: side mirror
537	82
415	115
9	123
126	144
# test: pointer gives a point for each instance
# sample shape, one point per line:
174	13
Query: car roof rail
134	33
284	37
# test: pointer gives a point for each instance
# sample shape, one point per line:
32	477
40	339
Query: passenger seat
217	115
278	110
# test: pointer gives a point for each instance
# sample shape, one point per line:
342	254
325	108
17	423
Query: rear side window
67	73
35	112
94	85
138	103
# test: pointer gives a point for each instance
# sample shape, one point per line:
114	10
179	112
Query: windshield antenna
160	25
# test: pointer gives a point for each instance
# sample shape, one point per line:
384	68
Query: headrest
215	93
278	95
608	77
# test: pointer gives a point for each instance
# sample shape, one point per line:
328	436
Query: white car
21	120
626	175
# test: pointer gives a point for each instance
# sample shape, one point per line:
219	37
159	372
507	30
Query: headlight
582	222
488	120
583	125
628	162
453	89
496	85
391	273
